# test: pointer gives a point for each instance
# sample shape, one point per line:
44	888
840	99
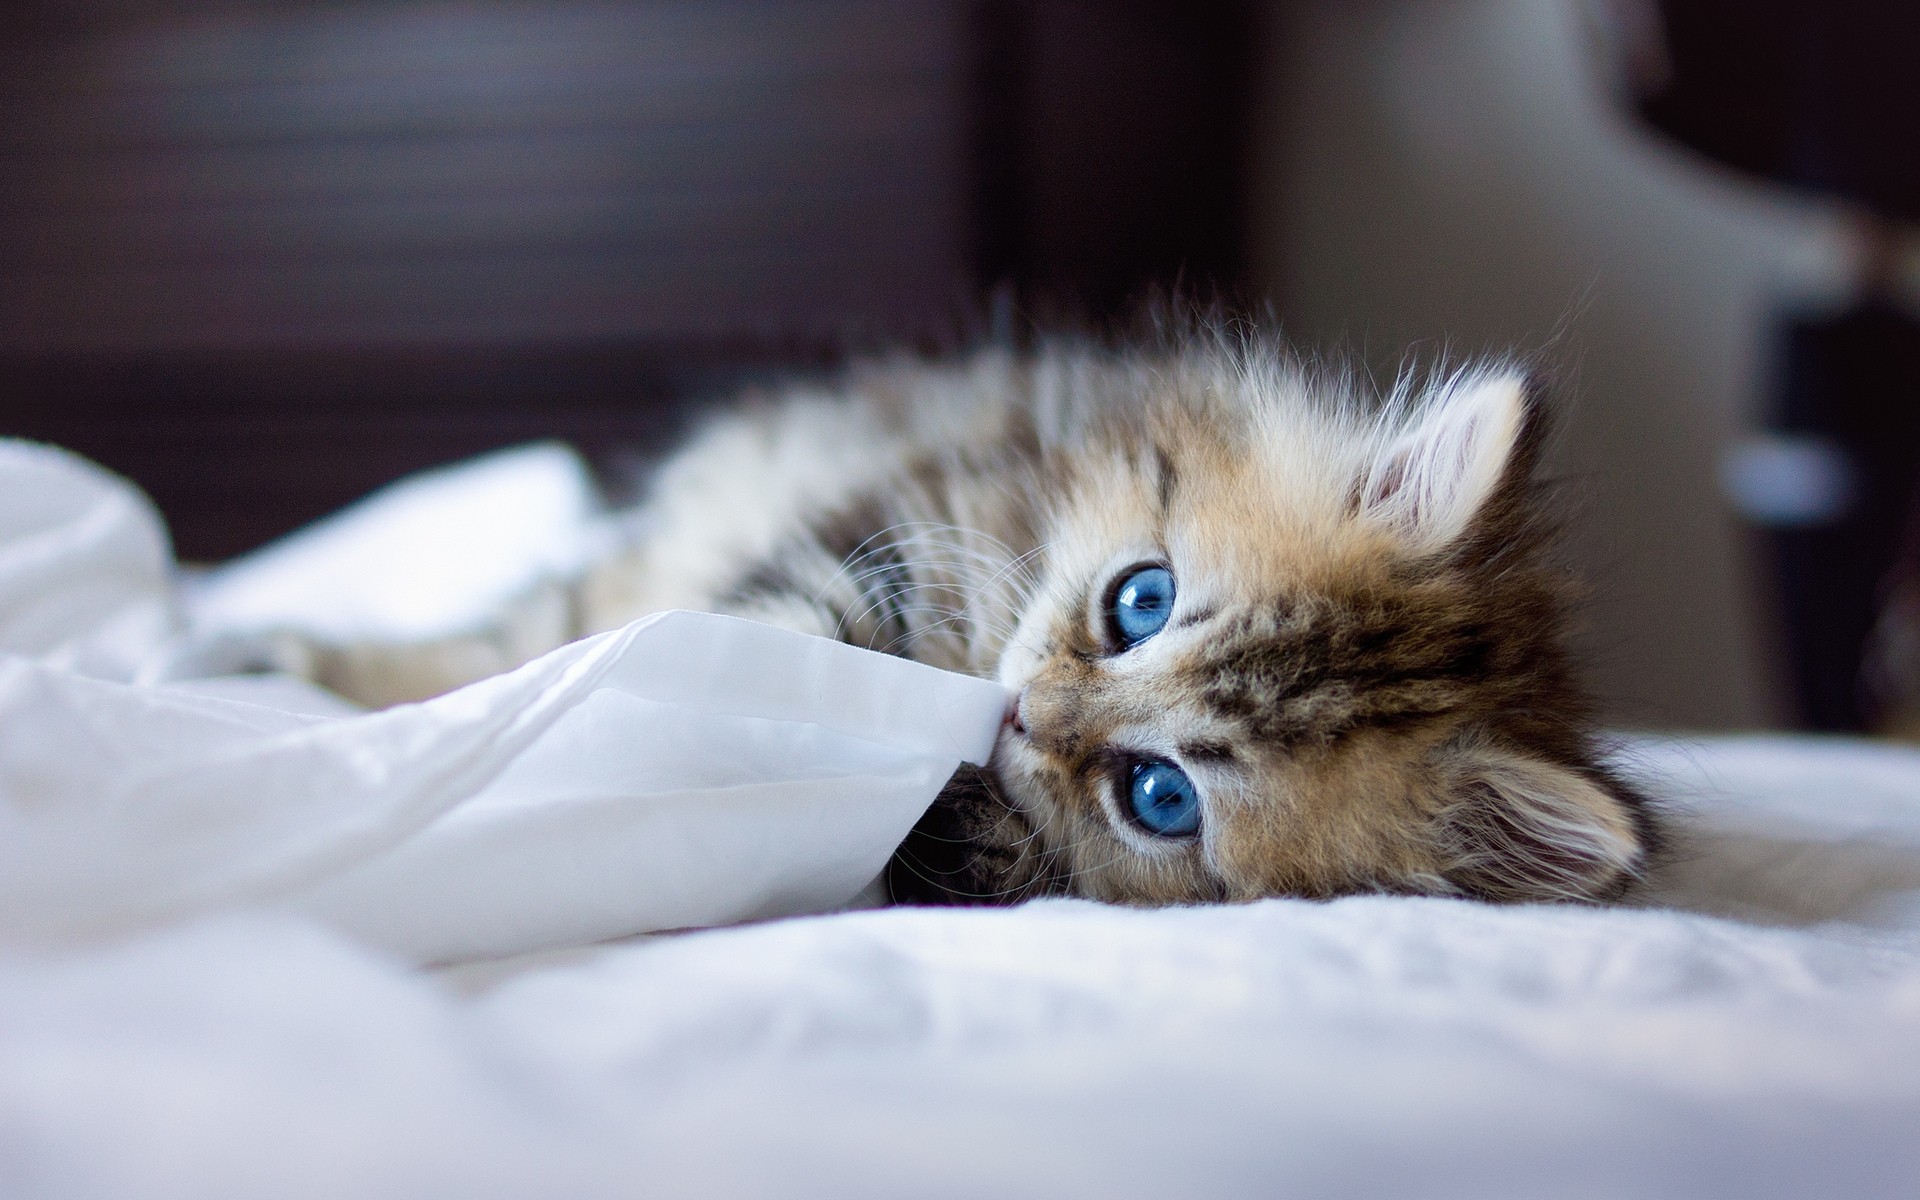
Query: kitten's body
1360	675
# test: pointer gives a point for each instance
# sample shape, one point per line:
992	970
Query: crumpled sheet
1751	1030
686	770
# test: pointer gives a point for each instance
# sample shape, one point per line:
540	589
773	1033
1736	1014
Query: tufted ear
1431	480
1517	828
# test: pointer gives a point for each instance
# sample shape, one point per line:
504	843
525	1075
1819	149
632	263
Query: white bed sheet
1751	1030
1760	1038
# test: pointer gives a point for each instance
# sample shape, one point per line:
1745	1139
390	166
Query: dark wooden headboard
263	255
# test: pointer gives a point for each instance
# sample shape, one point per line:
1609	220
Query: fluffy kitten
1268	636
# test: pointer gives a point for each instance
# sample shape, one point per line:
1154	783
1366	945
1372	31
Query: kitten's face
1232	684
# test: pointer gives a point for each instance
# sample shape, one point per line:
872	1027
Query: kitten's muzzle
1013	719
1061	711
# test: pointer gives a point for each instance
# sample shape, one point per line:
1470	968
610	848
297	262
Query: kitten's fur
1364	671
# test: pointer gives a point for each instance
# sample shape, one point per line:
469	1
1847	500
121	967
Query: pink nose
1013	713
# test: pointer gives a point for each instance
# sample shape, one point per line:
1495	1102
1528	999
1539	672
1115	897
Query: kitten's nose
1013	712
1053	711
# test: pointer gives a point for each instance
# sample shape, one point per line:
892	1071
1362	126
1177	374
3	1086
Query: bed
272	1016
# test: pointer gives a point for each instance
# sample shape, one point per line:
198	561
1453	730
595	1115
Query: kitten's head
1283	642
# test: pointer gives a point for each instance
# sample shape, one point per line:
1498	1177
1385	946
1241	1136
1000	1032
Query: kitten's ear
1517	828
1431	481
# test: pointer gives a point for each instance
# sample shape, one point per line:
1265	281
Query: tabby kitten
1267	636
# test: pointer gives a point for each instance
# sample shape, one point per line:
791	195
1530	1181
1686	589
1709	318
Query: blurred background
262	256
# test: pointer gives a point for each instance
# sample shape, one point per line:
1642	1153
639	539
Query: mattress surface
1753	1029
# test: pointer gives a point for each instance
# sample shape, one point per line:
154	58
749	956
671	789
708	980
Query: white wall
1454	172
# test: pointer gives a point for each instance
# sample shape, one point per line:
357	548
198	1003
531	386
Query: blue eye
1141	605
1162	799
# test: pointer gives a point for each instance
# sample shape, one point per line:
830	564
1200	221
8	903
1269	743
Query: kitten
1267	636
